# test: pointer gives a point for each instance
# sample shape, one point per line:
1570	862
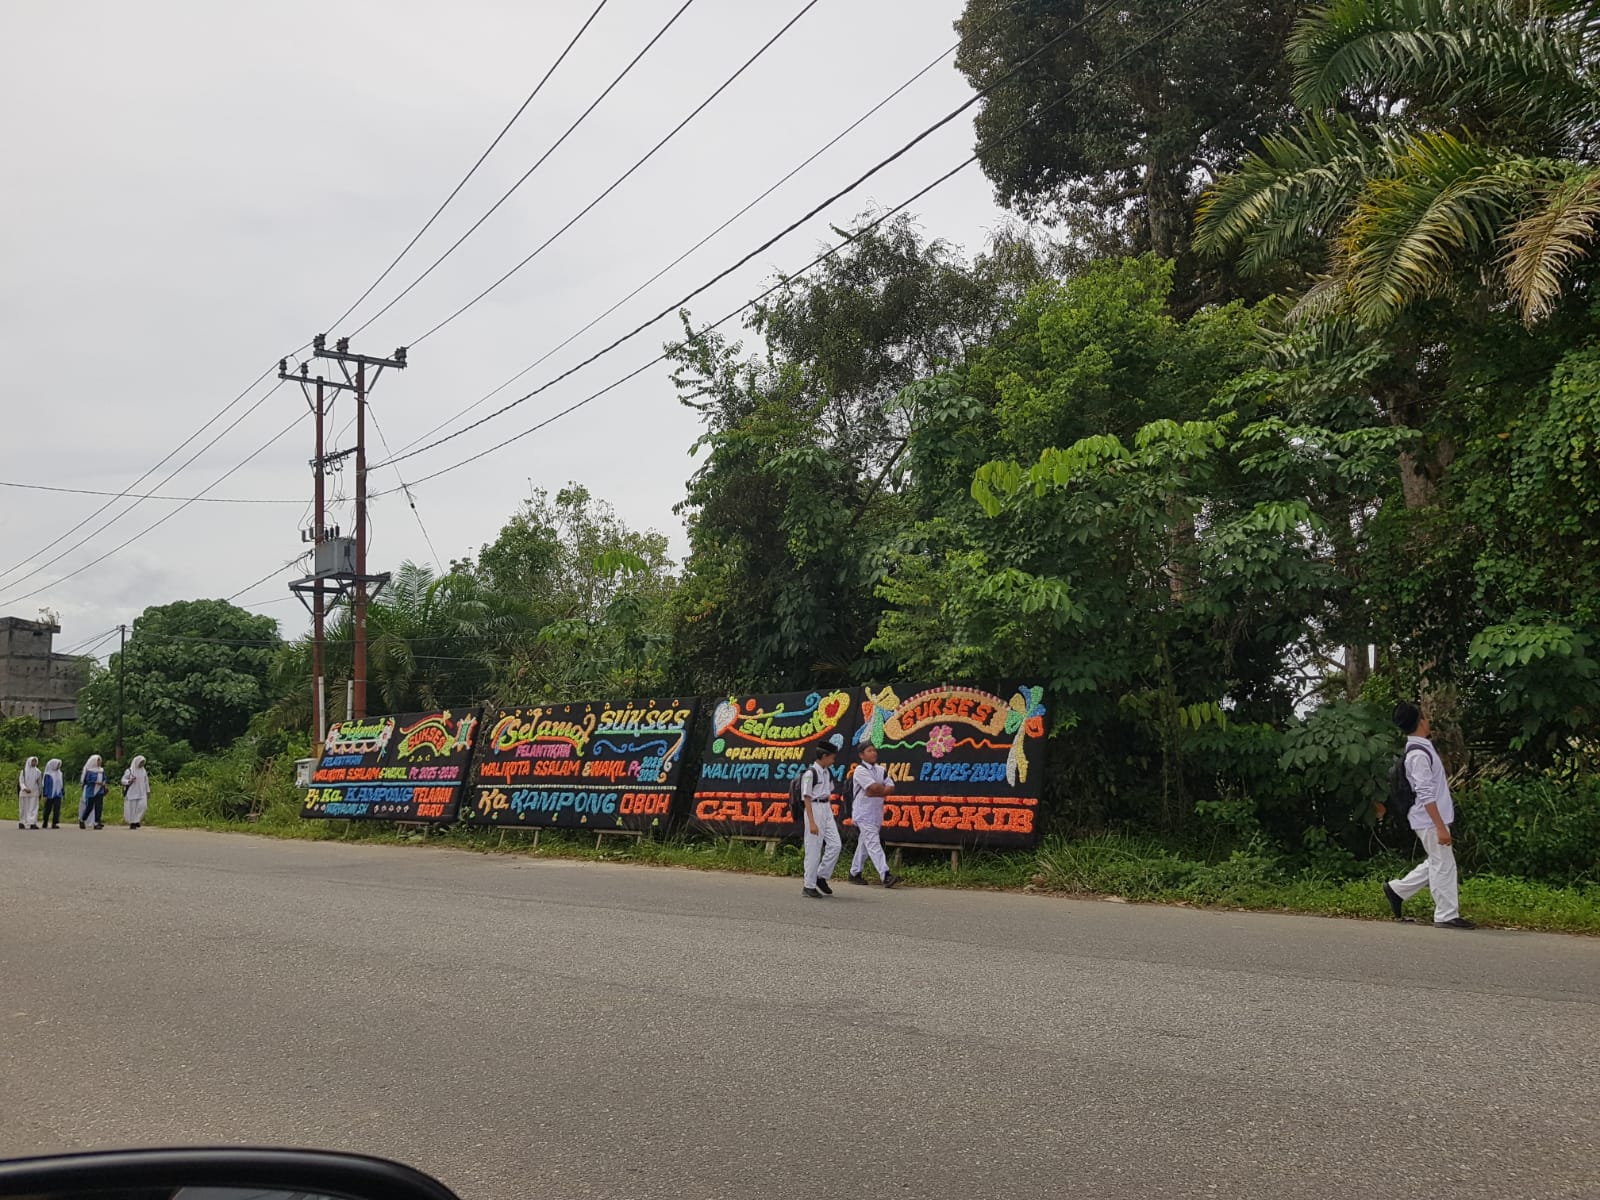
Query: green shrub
234	785
1541	828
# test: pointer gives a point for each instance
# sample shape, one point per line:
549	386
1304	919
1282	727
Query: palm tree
1439	134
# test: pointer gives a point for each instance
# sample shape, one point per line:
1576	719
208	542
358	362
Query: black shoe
99	825
1393	897
1454	923
822	886
135	825
20	825
81	825
812	892
890	879
858	879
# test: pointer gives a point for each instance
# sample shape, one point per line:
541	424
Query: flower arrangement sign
756	746
966	762
595	764
401	768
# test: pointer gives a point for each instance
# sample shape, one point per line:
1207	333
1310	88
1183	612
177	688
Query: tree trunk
1356	671
1180	551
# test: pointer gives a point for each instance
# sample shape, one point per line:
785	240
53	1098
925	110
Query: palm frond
1329	297
1531	53
1289	195
1407	234
1559	228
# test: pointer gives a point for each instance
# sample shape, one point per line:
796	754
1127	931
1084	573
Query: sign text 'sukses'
966	763
592	765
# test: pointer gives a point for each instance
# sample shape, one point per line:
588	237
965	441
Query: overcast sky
193	189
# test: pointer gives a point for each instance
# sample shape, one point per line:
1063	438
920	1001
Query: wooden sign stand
505	829
955	851
771	843
602	834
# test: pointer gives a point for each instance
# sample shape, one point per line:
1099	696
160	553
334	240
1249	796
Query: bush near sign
756	745
401	768
593	765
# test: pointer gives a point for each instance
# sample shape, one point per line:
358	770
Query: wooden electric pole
122	681
359	578
322	537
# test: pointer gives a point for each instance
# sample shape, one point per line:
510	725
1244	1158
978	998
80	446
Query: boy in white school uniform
869	784
821	831
1431	815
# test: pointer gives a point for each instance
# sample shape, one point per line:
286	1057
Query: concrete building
34	680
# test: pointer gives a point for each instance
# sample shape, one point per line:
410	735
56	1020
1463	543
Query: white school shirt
1426	774
865	809
818	787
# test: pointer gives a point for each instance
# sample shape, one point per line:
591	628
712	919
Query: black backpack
1401	794
797	798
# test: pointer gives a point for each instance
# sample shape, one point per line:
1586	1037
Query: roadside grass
1105	865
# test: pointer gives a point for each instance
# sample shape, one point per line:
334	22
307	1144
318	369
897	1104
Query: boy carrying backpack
1420	792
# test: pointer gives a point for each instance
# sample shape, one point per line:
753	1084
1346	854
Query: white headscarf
92	765
52	771
136	780
30	777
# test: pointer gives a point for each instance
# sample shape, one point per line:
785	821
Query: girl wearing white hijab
93	779
55	787
135	792
29	780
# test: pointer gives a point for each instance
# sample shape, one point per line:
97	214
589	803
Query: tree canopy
194	671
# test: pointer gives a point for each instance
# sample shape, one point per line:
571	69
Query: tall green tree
1118	142
1445	172
194	671
592	599
798	487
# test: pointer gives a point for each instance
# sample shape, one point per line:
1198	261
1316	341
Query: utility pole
360	384
358	669
122	683
319	729
322	539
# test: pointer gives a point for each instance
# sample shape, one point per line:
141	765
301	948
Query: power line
95	641
837	138
170	477
410	499
660	33
649	154
272	574
41	487
170	455
779	236
156	525
92	651
428	224
853	237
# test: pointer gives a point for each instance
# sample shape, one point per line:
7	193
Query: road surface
536	1028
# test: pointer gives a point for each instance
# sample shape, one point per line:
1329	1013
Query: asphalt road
533	1028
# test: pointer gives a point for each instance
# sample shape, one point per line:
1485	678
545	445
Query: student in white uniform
821	831
29	782
136	792
869	784
1432	813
